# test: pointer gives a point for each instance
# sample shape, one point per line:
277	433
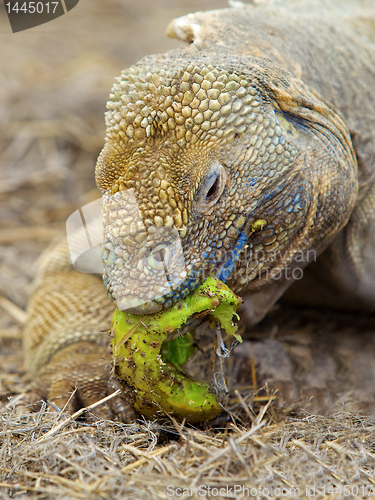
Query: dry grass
54	82
149	460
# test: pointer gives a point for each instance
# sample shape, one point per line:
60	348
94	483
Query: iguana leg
66	350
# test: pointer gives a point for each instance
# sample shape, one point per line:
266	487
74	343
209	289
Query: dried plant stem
78	414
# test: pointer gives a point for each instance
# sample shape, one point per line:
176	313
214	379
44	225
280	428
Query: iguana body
267	116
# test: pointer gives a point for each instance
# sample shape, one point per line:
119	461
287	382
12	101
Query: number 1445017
32	7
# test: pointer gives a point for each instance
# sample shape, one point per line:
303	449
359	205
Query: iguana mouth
189	284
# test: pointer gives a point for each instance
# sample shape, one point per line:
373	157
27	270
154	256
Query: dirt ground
54	83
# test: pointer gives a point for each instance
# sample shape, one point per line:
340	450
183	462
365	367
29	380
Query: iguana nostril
159	257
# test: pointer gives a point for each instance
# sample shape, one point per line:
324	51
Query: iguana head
207	167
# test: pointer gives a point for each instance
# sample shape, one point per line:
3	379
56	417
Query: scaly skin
267	116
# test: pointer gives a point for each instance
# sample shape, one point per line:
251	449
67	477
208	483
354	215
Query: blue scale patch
231	262
296	199
277	189
251	182
185	293
269	195
190	283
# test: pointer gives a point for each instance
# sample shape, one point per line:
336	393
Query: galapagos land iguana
267	113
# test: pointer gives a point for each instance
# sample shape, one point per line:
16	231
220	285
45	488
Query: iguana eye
211	189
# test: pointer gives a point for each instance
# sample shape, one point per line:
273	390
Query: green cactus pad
151	366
